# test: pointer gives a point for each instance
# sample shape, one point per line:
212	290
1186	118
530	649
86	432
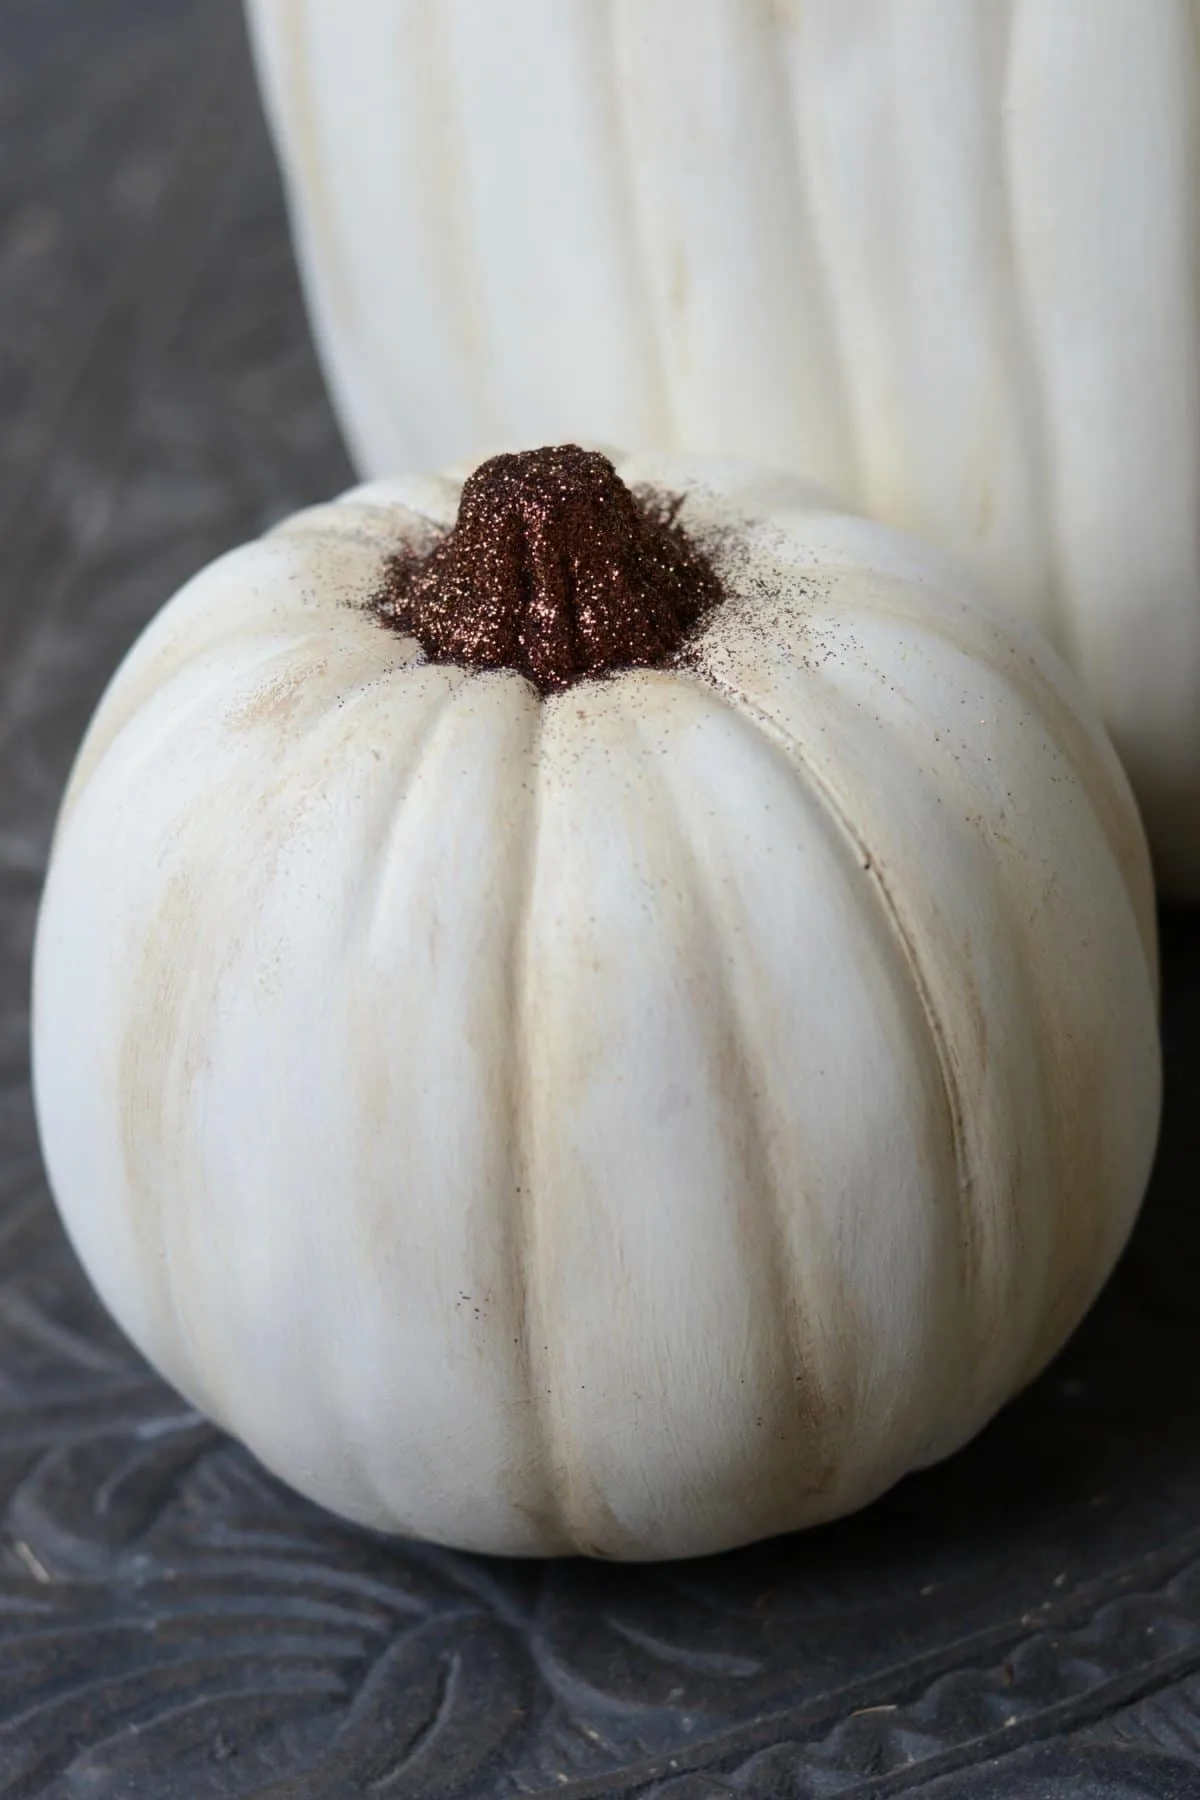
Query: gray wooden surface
1023	1622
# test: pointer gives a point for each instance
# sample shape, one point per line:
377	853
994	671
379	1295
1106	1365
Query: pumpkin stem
553	568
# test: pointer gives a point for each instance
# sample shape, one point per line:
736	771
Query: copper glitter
554	568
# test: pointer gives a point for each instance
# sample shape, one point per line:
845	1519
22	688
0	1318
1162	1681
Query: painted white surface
637	1121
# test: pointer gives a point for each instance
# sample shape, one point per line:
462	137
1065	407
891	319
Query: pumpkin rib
728	265
963	1251
1044	606
1038	688
329	1379
143	1063
195	1338
774	1264
853	456
1054	617
446	224
531	1315
368	921
1106	205
625	158
561	259
295	744
1059	1252
418	750
807	130
955	1102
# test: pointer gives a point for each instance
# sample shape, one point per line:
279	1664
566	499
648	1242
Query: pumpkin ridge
955	1100
809	1404
529	1312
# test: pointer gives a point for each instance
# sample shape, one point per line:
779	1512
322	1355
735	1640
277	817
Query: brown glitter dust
554	568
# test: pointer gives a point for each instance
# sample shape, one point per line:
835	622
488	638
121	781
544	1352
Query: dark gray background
1024	1621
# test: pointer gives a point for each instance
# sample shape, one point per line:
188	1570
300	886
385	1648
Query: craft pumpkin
945	264
624	1109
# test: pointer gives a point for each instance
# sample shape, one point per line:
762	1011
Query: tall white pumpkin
633	1119
940	256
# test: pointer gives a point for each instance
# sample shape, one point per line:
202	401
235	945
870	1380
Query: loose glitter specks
553	568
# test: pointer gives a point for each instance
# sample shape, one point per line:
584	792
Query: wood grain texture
1023	1622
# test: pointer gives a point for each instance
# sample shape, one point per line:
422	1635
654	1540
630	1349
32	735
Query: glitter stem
556	569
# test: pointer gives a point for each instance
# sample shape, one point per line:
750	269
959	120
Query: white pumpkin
944	260
632	1119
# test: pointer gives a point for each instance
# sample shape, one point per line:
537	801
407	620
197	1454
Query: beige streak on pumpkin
185	943
190	948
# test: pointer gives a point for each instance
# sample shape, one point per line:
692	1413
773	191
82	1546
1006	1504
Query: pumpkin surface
631	1118
944	262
